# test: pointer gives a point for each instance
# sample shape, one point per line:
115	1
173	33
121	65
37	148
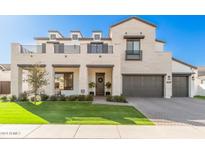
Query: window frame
53	38
72	80
96	46
97	35
140	51
74	35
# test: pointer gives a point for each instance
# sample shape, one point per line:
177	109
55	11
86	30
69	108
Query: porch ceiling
30	65
64	65
99	66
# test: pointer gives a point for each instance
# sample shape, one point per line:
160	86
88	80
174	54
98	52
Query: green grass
69	113
199	97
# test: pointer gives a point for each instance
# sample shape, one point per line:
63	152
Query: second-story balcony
133	55
32	49
66	49
96	48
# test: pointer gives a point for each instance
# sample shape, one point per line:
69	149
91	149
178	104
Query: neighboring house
131	58
201	81
5	79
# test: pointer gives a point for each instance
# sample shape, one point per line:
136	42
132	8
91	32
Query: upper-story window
53	36
99	47
133	51
74	36
97	36
96	48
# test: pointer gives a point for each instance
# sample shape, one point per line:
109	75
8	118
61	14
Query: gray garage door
180	86
143	85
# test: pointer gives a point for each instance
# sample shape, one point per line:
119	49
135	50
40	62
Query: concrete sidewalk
100	131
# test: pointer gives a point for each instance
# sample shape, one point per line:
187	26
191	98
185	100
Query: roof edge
161	41
136	18
41	38
177	60
55	31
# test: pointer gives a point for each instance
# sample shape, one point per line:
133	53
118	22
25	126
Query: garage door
180	86
143	85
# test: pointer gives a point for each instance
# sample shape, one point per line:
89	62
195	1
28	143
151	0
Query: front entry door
100	80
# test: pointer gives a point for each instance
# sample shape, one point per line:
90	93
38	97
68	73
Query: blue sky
185	35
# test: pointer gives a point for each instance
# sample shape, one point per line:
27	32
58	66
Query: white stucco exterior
154	59
180	68
5	75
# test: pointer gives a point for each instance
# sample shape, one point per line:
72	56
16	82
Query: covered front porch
100	79
74	80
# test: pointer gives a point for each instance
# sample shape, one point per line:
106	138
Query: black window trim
97	35
75	35
53	36
72	88
91	43
140	51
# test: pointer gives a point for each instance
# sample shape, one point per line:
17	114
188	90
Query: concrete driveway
174	111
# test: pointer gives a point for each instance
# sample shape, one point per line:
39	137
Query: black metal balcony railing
103	49
33	49
133	55
67	49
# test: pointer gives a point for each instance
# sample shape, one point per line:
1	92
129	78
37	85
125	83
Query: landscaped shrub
13	98
35	99
23	97
32	99
61	98
3	98
81	97
116	99
89	98
53	98
109	98
72	98
44	97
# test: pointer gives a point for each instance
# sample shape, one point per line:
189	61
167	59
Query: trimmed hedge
116	98
23	97
13	98
4	99
71	98
43	97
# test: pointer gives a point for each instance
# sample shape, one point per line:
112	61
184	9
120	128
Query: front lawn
200	97
69	113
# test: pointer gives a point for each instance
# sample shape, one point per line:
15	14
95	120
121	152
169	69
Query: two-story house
132	59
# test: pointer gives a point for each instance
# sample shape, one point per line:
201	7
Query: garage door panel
143	86
180	86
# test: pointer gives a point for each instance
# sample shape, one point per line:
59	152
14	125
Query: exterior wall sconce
193	78
168	77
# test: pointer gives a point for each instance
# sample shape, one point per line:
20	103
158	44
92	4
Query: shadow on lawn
83	113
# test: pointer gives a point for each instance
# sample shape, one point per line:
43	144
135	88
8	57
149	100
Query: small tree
36	79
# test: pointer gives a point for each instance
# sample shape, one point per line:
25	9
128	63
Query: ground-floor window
64	81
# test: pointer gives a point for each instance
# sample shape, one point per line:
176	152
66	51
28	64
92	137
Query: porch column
116	81
49	89
83	80
16	80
